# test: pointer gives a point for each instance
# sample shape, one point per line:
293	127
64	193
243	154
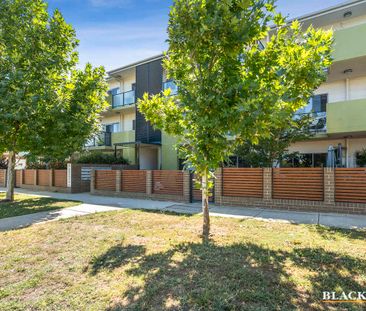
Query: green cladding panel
346	117
350	43
169	153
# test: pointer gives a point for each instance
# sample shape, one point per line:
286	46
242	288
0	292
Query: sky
114	33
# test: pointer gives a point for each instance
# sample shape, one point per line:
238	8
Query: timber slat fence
243	182
168	182
298	184
350	185
133	181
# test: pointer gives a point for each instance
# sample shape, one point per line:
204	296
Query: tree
270	150
47	106
231	89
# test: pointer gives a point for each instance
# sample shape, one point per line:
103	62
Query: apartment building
125	130
339	105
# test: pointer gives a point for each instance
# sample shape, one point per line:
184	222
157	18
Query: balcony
318	123
123	99
172	86
349	43
103	139
347	117
123	137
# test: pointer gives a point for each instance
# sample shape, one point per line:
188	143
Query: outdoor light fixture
347	14
349	70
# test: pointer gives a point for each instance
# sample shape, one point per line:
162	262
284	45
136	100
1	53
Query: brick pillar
329	186
218	186
267	184
50	178
21	178
92	181
149	182
35	178
118	180
187	186
3	184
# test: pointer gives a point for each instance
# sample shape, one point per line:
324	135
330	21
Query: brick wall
2	178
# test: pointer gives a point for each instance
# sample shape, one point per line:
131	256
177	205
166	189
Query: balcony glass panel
316	108
129	98
172	86
123	99
117	100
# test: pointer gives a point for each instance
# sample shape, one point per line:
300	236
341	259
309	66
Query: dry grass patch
134	260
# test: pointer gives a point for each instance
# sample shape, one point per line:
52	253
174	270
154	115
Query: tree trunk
10	177
205	210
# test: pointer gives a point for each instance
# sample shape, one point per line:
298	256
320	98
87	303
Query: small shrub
101	158
361	157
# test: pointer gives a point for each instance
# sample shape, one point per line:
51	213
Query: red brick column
149	183
329	186
218	186
118	180
267	184
187	186
92	181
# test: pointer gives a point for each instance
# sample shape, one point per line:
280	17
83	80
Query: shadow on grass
164	212
331	233
32	205
237	277
115	257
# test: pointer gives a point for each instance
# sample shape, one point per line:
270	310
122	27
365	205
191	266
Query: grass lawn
135	260
27	204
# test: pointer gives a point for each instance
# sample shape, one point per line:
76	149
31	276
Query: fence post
329	186
50	177
21	178
187	186
92	180
35	177
118	180
218	186
149	182
267	184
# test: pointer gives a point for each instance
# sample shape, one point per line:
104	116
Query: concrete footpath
95	204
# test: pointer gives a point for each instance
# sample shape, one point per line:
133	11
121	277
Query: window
112	128
317	104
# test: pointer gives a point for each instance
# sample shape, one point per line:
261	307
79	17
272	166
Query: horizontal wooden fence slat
350	185
60	178
133	181
168	182
105	180
2	177
242	182
298	184
44	177
18	178
28	177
